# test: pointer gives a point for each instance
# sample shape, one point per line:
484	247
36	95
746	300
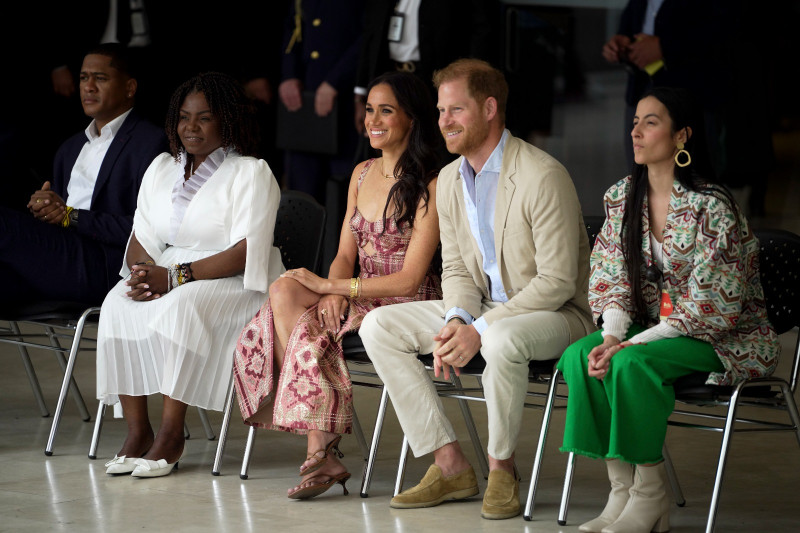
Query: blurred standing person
423	36
321	45
667	43
716	50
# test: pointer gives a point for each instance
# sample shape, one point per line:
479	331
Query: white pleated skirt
180	345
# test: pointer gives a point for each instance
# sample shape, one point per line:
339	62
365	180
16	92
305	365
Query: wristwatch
73	217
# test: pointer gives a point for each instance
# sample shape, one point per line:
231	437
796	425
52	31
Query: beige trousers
395	334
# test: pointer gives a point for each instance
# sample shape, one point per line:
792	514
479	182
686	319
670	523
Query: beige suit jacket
541	244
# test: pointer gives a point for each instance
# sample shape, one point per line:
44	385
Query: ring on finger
460	357
324	312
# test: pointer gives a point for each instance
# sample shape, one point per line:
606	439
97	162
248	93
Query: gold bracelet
65	221
353	287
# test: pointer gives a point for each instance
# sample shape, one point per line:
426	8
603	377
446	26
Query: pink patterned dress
314	389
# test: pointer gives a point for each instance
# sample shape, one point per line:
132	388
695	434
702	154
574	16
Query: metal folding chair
60	320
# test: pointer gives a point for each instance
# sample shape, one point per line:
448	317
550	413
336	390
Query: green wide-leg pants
624	416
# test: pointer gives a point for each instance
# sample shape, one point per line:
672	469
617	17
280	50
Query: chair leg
98	425
31	373
65	384
206	424
401	467
73	386
730	421
223	431
537	462
791	407
473	432
672	476
369	467
359	434
248	449
563	508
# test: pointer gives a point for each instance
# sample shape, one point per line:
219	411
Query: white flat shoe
148	468
120	465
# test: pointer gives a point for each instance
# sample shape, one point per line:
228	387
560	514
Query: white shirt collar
109	130
493	164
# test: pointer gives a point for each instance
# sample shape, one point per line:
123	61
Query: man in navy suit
321	54
71	245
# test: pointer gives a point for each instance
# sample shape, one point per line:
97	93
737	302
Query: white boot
620	474
648	507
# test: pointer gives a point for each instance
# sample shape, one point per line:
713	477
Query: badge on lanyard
396	27
666	305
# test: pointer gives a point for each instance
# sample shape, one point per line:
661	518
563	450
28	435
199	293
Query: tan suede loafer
501	499
435	488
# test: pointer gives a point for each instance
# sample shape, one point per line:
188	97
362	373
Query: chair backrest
594	224
299	228
779	269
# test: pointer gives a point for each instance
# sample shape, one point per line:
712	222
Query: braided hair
229	104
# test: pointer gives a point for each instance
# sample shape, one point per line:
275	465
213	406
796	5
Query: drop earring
682	151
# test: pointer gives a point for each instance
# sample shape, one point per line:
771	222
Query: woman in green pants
675	289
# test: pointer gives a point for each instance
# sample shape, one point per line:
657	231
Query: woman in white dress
198	264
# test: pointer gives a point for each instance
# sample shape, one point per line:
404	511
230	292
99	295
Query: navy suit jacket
110	218
329	49
692	34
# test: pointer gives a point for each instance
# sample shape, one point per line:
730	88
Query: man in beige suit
516	269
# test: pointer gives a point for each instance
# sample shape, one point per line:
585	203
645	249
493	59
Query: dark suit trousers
42	261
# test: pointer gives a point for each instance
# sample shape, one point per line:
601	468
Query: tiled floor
68	492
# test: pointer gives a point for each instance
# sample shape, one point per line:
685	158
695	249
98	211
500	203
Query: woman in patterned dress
675	287
392	229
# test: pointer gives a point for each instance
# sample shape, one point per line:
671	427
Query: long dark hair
228	103
419	163
699	176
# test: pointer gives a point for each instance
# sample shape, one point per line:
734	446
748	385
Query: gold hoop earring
682	151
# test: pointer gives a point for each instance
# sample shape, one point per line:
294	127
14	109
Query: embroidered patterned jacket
710	274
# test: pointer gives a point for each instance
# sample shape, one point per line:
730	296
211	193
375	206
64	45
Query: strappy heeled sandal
333	445
316	489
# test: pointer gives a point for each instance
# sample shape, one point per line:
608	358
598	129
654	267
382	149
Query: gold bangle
353	287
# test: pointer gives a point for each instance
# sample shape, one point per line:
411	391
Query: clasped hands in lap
600	356
47	206
457	344
147	282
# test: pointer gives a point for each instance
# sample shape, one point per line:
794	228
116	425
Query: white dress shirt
87	167
480	194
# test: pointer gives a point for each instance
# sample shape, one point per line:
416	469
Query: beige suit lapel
505	191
